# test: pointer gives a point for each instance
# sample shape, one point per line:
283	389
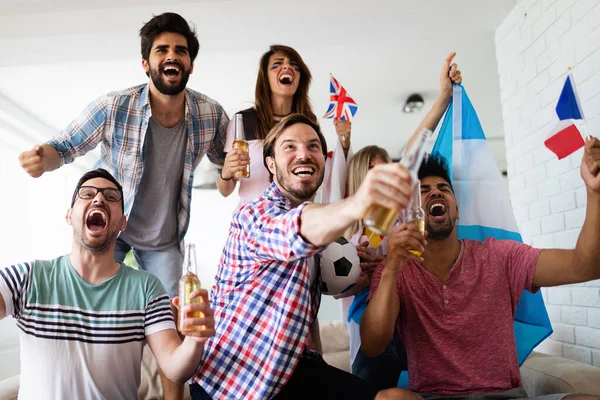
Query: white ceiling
58	55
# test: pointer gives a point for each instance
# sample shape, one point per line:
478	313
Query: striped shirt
119	121
78	340
264	300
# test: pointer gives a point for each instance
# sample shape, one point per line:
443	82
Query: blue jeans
166	264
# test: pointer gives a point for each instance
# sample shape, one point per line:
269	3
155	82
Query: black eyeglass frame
101	190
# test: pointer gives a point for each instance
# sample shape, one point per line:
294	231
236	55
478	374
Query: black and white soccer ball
340	267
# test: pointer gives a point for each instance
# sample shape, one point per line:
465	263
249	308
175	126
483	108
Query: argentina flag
484	206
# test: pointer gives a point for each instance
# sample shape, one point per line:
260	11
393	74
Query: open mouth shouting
437	210
172	70
286	79
96	221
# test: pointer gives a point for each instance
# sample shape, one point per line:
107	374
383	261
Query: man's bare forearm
184	360
322	224
433	117
379	320
587	251
226	187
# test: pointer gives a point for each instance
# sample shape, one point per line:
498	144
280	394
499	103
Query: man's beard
159	80
305	193
440	232
99	246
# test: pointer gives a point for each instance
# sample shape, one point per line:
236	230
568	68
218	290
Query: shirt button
444	287
446	301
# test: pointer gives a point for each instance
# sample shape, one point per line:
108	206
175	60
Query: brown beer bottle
187	284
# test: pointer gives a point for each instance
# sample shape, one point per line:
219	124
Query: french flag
565	138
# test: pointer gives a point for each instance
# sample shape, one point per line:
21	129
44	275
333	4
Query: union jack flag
341	106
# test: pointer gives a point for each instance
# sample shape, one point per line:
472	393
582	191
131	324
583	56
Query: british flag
341	106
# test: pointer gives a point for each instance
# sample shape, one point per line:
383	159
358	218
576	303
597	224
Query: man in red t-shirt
454	306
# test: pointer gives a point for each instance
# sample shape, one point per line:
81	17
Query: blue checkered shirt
118	122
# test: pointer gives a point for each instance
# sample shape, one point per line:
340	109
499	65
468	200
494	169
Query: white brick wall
535	45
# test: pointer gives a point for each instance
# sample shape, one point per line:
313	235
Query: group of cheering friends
446	315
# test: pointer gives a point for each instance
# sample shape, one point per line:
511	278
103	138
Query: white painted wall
32	212
536	44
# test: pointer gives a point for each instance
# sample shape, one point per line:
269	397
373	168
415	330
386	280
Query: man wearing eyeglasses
86	313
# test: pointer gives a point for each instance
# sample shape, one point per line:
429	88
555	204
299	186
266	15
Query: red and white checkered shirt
264	302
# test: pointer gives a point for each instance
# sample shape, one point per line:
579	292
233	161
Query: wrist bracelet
221	176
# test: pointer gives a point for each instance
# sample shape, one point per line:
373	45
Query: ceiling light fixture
414	103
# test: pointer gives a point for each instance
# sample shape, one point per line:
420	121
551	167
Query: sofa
542	374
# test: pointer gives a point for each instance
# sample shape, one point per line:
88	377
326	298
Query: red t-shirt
458	334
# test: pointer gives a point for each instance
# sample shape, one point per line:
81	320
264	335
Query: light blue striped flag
484	206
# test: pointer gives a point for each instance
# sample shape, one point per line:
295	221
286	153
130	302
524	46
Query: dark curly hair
168	22
435	165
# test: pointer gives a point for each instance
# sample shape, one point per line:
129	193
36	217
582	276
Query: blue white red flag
341	105
565	138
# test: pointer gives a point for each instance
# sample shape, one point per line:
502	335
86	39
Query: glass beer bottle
381	219
187	284
415	213
240	143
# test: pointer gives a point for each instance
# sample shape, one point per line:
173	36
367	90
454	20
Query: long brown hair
357	170
263	94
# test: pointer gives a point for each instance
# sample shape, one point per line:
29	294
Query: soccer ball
340	267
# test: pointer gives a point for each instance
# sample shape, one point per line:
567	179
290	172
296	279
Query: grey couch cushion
543	374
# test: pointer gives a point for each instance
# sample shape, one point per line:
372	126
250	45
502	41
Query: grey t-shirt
152	224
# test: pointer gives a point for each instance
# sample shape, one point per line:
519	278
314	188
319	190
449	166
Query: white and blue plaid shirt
119	121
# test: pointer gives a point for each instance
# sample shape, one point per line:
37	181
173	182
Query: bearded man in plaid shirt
266	296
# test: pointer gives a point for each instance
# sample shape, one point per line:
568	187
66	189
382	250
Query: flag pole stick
583	120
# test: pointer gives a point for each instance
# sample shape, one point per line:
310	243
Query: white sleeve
333	187
13	281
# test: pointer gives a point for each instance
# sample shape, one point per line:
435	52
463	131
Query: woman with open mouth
281	89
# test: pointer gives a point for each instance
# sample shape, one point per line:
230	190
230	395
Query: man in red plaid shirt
266	296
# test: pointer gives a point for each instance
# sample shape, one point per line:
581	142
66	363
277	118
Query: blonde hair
357	170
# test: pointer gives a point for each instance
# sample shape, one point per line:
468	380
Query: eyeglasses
89	192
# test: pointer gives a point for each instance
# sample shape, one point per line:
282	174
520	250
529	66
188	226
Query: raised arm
40	159
81	136
343	129
450	74
386	185
561	267
379	320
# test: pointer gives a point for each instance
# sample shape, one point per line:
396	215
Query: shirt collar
145	100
